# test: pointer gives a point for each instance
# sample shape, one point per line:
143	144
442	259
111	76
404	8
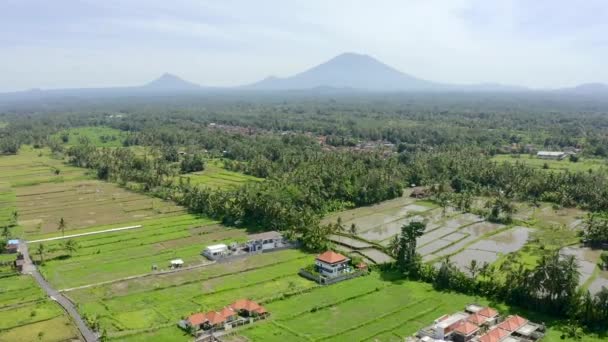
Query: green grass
583	165
56	329
25	311
110	256
3	124
98	136
216	176
37	166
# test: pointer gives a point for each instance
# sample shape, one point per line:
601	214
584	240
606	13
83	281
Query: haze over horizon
60	44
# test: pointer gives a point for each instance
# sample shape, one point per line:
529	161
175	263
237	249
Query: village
479	323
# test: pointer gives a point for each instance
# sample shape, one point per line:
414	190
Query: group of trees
596	228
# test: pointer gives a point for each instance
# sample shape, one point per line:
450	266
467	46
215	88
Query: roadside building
196	321
214	320
229	314
12	246
264	241
332	264
248	308
215	251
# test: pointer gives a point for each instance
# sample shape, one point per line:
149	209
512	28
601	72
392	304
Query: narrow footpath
68	306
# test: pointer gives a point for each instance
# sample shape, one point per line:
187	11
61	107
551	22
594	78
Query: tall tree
406	256
40	251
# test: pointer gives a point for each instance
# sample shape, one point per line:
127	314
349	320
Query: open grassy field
583	164
216	176
114	255
37	166
84	204
98	136
26	314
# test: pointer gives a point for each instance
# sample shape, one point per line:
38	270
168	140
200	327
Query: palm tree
70	246
40	251
473	268
61	226
393	246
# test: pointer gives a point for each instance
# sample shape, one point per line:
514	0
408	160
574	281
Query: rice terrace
447	183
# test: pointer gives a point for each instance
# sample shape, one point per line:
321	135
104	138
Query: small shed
215	251
19	264
12	246
177	263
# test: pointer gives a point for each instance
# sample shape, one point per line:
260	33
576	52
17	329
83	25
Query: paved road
30	268
88	233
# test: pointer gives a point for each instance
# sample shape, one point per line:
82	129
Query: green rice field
583	165
98	136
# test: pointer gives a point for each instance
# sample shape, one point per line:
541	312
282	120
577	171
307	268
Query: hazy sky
71	43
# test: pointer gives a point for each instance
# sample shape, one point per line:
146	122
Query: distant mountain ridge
347	72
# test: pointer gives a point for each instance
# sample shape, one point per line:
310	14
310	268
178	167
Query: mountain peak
169	81
348	70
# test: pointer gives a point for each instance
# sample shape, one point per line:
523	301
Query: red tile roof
488	312
494	335
466	328
197	319
227	312
477	319
214	317
245	304
513	323
331	257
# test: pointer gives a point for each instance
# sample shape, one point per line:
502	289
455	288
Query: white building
264	241
332	264
551	155
215	251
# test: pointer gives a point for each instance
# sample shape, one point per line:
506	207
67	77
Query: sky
98	43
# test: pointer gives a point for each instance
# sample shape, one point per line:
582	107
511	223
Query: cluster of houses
257	243
331	267
480	324
241	312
